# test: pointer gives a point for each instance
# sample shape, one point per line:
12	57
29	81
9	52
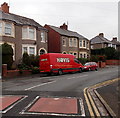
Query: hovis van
59	63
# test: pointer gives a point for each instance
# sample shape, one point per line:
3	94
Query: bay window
29	33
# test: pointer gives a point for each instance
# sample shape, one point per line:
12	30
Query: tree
7	54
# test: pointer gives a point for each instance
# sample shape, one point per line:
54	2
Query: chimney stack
64	26
114	39
101	34
5	7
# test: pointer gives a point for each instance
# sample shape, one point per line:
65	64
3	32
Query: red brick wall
112	62
13	73
53	40
101	64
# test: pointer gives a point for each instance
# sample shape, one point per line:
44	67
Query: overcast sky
87	17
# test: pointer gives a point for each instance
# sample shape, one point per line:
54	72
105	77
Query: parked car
59	63
90	66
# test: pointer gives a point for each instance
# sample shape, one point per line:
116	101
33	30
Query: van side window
75	60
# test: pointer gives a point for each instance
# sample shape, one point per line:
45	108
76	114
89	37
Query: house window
80	55
84	55
31	33
87	44
84	44
25	49
42	37
75	54
0	28
75	42
64	52
80	44
24	33
42	51
70	42
8	29
28	33
64	42
30	49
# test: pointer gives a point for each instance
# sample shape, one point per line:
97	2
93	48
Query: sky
87	17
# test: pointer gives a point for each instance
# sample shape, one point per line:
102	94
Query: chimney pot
5	7
64	26
101	34
114	39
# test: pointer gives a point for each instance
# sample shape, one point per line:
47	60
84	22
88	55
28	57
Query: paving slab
55	105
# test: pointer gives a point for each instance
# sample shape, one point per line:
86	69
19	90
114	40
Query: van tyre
80	70
60	72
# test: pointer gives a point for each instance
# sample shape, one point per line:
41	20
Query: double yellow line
90	103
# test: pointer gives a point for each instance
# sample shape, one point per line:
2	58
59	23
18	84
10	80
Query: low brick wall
13	73
16	73
101	64
112	62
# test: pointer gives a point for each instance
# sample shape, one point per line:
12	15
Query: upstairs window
84	43
70	42
43	37
80	43
75	42
0	28
64	42
29	33
8	29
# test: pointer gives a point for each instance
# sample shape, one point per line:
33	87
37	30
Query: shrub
83	60
7	55
35	70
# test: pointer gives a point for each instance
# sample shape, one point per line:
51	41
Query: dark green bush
83	60
7	55
35	70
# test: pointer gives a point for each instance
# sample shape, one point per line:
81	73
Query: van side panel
52	62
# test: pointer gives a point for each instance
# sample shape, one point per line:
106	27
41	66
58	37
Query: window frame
28	48
3	29
27	37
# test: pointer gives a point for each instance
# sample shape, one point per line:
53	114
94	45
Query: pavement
103	99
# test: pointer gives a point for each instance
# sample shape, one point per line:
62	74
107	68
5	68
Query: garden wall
112	62
13	73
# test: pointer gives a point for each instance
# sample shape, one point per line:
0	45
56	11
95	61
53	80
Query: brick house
23	34
117	43
101	42
62	40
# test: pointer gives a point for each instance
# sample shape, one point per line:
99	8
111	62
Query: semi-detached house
23	34
62	40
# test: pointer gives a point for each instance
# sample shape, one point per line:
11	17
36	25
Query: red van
59	63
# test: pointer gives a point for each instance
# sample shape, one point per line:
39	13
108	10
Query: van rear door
44	63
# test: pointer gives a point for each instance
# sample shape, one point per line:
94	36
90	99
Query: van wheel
80	70
60	72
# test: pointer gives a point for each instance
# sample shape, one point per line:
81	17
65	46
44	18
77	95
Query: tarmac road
64	86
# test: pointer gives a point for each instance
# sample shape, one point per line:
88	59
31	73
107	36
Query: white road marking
39	85
77	77
82	107
30	104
